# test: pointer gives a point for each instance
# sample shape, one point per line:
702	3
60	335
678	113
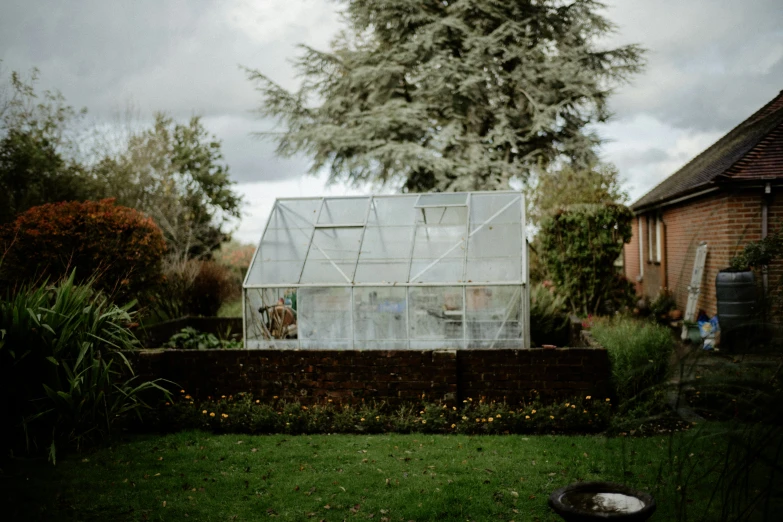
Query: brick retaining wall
351	376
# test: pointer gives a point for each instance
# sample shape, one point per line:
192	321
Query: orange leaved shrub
119	247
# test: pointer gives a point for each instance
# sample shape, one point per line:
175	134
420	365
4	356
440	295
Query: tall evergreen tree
451	95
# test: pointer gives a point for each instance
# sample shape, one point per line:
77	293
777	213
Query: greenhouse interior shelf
389	272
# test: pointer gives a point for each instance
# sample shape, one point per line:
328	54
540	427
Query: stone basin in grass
593	501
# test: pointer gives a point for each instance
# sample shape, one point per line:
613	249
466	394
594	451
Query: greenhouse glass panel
332	257
380	317
427	271
325	317
493	316
343	211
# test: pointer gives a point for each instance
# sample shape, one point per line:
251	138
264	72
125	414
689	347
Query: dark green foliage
549	321
759	253
662	305
579	245
191	339
117	248
63	379
245	414
193	287
35	165
174	172
639	354
451	95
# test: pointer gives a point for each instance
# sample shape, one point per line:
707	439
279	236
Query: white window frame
658	239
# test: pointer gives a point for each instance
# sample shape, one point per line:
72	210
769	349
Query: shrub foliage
62	377
118	248
245	414
639	353
580	244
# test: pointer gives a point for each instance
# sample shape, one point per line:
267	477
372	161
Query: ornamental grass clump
639	354
63	377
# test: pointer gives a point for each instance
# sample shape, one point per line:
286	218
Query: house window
640	235
654	239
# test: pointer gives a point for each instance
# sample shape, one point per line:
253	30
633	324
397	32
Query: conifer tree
450	95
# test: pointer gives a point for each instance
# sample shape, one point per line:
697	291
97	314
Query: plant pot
592	501
675	315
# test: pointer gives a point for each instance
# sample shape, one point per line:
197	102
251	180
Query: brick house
729	195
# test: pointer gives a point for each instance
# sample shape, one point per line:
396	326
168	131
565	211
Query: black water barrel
737	307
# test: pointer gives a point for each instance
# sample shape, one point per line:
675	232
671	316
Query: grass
199	476
231	308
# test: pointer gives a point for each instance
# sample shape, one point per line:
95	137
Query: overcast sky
711	63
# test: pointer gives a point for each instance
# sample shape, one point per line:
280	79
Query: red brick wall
631	257
726	220
350	376
686	226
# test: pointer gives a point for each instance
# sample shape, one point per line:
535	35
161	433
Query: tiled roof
751	150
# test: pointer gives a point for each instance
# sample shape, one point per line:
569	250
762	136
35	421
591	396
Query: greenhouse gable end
425	271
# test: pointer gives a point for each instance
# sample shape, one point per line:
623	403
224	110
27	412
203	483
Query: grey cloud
180	57
711	63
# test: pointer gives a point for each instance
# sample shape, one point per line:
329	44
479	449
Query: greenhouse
390	272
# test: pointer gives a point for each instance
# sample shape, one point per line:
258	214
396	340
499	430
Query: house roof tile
751	150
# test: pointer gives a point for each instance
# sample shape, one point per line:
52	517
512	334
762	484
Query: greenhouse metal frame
408	271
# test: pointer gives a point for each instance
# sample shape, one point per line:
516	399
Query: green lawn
199	476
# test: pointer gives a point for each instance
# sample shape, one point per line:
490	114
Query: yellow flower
551	416
527	416
588	397
454	408
453	426
421	412
204	412
182	391
533	412
362	419
567	405
274	397
377	417
424	421
168	403
464	418
188	397
222	396
573	405
258	402
490	419
212	414
483	420
224	415
304	407
607	399
478	420
497	416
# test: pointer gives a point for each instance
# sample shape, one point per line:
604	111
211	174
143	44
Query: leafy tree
36	164
566	186
579	247
174	173
451	95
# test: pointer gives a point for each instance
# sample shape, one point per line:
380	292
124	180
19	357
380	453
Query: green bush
118	249
639	354
245	414
579	246
194	287
191	339
549	322
62	377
